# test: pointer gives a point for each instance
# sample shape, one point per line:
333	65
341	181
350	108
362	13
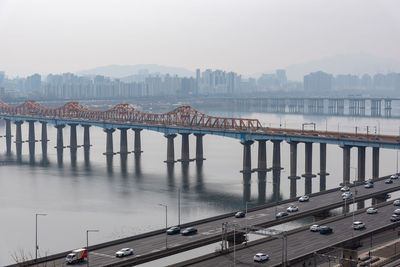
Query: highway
209	231
304	242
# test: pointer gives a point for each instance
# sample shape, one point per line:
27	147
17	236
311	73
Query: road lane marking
103	255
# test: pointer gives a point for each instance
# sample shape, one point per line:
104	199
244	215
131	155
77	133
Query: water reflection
109	159
262	186
86	159
185	175
199	176
170	174
124	159
138	168
60	155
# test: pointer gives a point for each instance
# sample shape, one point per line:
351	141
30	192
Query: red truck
77	255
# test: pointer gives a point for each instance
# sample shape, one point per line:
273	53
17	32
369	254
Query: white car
314	228
396	202
304	198
396	211
357	225
292	208
259	257
347	195
394	176
372	211
124	252
345	188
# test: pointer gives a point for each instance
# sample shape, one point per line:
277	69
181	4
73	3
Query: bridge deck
209	231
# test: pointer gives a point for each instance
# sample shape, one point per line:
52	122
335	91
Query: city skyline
68	36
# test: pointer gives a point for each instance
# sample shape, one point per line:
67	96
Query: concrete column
276	156
199	147
246	186
123	141
375	162
73	143
86	136
44	137
322	166
60	140
246	155
109	142
346	164
31	138
8	136
18	137
262	186
361	163
293	169
262	155
185	148
170	148
308	168
138	145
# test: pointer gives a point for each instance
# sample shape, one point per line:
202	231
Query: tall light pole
87	244
247	202
397	162
166	224
36	243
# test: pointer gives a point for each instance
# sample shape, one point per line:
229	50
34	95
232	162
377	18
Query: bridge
184	121
150	246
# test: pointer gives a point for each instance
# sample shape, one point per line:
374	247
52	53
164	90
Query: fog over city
248	37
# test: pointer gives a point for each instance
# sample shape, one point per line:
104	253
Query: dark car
395	218
173	230
240	214
325	230
281	214
388	181
189	231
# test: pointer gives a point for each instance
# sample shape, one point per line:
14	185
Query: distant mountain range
357	64
121	71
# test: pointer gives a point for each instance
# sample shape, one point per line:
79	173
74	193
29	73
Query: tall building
33	83
318	81
2	76
281	76
197	81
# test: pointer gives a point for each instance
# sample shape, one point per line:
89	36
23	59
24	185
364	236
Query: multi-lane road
304	242
152	246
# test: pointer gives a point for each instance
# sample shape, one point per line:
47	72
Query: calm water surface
120	198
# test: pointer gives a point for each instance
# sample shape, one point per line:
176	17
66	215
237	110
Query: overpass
301	244
151	246
185	121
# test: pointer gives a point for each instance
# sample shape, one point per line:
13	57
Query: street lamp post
179	207
36	233
87	244
397	162
166	224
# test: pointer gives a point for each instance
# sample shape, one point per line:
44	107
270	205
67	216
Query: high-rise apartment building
318	81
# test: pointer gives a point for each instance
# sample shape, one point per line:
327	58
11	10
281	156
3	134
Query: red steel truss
182	116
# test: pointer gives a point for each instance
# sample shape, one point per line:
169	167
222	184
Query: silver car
372	211
124	252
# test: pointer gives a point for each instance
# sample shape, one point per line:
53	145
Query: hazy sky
245	36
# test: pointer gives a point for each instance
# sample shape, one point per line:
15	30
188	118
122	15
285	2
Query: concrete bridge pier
293	169
73	143
199	147
276	156
31	139
60	140
361	164
262	185
170	148
322	167
246	187
137	143
185	148
109	142
247	156
262	156
346	164
18	138
8	136
86	137
308	168
44	137
123	147
375	162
